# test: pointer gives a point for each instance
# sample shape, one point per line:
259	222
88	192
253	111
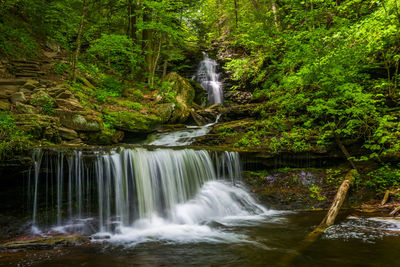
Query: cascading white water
208	78
130	193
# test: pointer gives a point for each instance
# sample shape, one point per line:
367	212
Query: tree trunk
236	13
79	41
275	12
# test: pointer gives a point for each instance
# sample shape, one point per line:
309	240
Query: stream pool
269	241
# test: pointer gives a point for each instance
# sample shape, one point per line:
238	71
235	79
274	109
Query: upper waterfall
209	79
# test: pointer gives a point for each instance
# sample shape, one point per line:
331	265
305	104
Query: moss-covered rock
184	90
25	109
40	98
79	121
184	97
5	105
104	137
132	121
165	111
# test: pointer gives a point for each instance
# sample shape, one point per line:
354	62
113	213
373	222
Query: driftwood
389	193
397	209
329	219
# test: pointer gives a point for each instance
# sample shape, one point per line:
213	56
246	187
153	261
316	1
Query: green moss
132	121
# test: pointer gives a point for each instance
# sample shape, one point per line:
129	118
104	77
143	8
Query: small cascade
208	78
98	191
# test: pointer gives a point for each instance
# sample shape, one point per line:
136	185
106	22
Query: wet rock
104	137
67	134
201	96
25	109
46	242
51	134
31	84
5	105
18	97
71	104
40	98
238	97
78	121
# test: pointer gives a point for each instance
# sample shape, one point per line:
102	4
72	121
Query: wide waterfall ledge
139	195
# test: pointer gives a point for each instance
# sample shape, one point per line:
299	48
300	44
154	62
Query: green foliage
116	52
131	105
167	93
386	177
315	193
48	109
11	139
60	68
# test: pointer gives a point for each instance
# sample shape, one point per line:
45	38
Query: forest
126	111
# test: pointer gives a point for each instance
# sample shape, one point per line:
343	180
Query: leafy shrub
384	178
11	139
48	109
60	68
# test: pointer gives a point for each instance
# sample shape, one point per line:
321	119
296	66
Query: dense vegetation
322	70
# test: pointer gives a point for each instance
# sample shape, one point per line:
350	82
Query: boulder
18	97
184	97
25	109
5	105
55	91
65	95
67	134
165	111
184	90
201	95
78	121
31	84
104	137
71	104
133	122
25	91
40	98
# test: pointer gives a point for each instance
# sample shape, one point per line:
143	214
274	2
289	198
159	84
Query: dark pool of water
272	242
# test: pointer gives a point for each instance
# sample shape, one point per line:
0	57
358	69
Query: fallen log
393	213
389	193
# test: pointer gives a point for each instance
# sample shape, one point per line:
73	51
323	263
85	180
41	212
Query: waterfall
107	191
208	78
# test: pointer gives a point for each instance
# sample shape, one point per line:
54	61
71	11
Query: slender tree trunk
79	41
275	12
236	13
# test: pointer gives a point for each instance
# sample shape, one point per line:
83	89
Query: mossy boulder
104	137
184	90
25	109
165	111
184	97
132	121
79	121
40	98
5	105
